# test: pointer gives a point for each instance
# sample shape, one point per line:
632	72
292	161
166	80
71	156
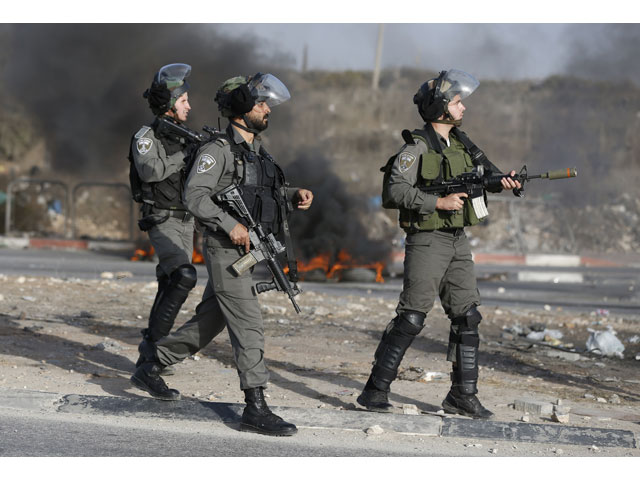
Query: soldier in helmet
438	258
157	172
236	156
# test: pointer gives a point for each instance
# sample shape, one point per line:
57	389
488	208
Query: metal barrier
100	184
9	201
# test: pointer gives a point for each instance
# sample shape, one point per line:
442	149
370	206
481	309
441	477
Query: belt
180	214
456	232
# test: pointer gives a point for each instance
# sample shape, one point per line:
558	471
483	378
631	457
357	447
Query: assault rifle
168	126
475	182
265	247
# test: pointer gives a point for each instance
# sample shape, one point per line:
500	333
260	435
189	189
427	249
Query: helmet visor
457	82
173	75
268	88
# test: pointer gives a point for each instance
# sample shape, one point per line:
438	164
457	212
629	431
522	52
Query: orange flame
197	257
344	261
141	254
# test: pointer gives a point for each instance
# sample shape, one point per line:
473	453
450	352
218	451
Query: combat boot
147	377
259	419
148	353
374	399
467	405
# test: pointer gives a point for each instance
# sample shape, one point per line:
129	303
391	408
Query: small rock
615	399
501	290
29	299
1	298
559	401
21	280
547	308
493	450
322	311
440	412
560	418
374	430
525	418
601	400
558	451
284	321
410	409
107	275
594	448
588	396
195	358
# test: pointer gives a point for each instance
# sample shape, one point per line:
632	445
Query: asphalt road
616	289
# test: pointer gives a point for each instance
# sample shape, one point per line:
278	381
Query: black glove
240	100
159	98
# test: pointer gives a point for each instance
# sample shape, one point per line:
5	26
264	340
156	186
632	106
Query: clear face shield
457	82
173	75
268	88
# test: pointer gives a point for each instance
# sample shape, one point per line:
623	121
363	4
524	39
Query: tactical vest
436	167
262	185
165	194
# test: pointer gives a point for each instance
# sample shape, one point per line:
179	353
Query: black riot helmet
433	96
237	95
169	83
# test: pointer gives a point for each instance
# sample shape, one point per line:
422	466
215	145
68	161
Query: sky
493	39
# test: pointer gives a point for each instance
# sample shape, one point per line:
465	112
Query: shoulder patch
143	145
406	161
205	162
142	132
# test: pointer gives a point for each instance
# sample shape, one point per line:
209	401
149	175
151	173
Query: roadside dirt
80	336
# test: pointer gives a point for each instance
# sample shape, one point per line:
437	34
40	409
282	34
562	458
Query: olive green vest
454	160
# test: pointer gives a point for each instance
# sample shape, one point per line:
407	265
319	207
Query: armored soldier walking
438	258
157	179
235	157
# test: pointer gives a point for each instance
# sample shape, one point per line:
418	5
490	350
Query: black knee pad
470	319
185	276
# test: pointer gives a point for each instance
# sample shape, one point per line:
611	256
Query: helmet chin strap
448	119
242	127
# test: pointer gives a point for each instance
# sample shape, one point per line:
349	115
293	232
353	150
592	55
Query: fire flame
141	254
344	261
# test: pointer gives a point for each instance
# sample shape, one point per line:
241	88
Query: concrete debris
601	400
374	430
605	343
615	399
533	406
525	418
410	409
560	414
107	275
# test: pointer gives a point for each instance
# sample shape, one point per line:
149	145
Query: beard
256	123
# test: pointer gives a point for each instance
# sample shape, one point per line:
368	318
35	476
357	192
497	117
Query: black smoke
335	220
82	84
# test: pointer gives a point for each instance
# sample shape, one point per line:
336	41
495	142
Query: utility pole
305	58
376	70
